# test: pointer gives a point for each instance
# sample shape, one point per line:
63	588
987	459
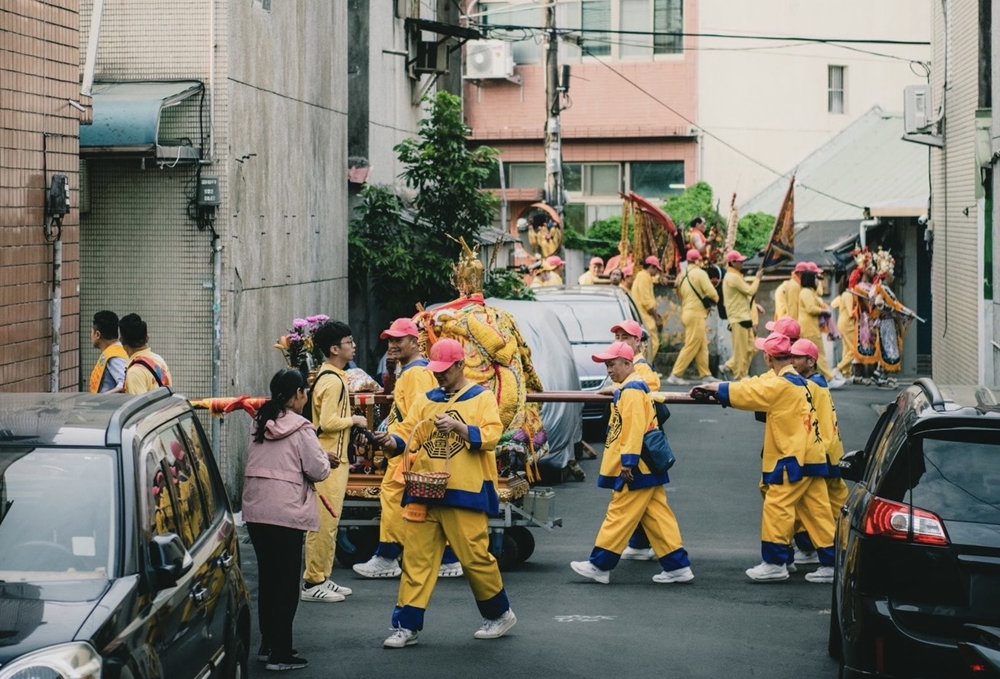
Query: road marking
584	618
712	421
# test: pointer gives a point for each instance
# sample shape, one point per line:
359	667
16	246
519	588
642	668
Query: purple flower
299	323
318	320
295	337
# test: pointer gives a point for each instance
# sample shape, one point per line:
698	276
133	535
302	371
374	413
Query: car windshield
587	322
57	514
954	474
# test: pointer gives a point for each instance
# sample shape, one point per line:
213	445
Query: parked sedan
118	550
587	313
918	541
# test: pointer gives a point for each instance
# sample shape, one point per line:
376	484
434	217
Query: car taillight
893	520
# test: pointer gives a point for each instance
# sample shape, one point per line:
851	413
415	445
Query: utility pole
553	133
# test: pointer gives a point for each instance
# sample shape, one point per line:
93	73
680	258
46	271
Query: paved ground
721	625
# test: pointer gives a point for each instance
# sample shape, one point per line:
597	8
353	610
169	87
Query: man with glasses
331	415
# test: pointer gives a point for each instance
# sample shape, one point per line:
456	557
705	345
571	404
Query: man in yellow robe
697	296
644	297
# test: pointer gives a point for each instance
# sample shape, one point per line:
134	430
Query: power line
710	134
736	36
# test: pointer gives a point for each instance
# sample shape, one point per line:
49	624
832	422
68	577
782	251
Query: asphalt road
720	625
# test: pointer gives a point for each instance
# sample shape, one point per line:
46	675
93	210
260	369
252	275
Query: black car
918	543
118	549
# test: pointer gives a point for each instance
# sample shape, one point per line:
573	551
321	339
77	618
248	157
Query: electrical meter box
208	192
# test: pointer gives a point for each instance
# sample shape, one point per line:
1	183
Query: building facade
220	213
41	109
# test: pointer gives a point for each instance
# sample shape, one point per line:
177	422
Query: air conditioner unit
917	112
486	59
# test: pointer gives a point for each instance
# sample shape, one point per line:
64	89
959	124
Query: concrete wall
286	243
958	332
769	98
39	72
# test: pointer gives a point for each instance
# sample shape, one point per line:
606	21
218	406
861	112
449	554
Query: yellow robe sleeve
705	288
809	303
755	393
634	425
486	434
642	292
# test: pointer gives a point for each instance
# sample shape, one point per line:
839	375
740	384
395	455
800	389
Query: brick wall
39	136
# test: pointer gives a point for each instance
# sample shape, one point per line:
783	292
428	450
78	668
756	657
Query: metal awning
127	118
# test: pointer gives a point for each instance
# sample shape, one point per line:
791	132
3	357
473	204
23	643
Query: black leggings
279	568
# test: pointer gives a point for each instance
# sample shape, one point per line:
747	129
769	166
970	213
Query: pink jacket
280	472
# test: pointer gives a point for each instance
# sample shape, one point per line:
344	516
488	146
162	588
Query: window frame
830	90
631	177
615	23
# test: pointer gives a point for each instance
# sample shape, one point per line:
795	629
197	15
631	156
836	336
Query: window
632	17
835	89
161	518
526	175
527	47
573	177
197	446
602	180
658	180
190	505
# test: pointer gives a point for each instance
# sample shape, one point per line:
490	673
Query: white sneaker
338	589
494	629
709	379
589	570
805	558
320	593
837	383
451	570
673	379
765	572
378	567
400	638
677	575
635	554
823	574
792	568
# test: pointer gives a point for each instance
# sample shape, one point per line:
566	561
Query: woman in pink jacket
279	505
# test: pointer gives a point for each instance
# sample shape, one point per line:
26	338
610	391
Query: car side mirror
170	560
852	465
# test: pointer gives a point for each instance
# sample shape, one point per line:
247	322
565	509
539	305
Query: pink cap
629	327
810	267
555	261
804	347
653	260
774	344
627	271
787	326
444	354
401	327
693	255
734	256
616	350
596	260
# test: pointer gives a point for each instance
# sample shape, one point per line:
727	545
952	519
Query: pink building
615	137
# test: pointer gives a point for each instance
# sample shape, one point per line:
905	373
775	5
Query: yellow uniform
810	308
644	297
739	303
111	359
692	287
786	299
414	381
847	326
554	280
146	372
331	406
641	502
644	372
460	517
792	445
829	429
587	278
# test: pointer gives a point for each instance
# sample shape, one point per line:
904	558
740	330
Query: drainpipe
216	334
56	309
863	230
92	39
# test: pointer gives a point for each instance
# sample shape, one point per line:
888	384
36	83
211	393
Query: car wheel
834	643
525	542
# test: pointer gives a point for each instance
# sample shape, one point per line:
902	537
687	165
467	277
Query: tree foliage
753	232
406	256
601	240
696	201
506	284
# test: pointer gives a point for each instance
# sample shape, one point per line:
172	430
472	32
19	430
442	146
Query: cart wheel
506	551
525	542
356	544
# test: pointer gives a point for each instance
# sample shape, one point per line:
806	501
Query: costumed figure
496	357
883	320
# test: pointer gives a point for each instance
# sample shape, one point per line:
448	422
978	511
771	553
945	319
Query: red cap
627	271
555	261
774	344
401	327
787	326
653	260
693	255
596	260
811	267
803	347
629	327
444	354
616	350
734	256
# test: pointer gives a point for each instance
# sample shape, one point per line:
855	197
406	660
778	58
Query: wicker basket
424	485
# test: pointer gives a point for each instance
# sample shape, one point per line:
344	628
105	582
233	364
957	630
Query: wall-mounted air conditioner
488	59
916	108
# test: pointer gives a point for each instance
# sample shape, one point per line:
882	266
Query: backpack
307	410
